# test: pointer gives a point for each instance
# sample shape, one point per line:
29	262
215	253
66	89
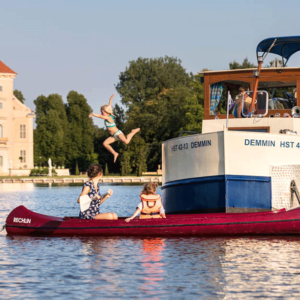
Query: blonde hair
149	188
108	109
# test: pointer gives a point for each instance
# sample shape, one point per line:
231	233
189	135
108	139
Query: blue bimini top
284	46
107	124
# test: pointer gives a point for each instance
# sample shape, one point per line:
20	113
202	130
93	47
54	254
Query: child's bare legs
126	140
107	145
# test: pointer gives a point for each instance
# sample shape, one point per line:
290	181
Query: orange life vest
151	206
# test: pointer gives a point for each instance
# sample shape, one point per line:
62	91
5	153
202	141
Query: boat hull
22	221
229	171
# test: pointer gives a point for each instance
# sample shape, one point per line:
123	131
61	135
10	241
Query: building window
1	131
23	131
1	161
23	155
1	105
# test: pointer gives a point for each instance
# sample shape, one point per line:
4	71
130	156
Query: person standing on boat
116	134
150	205
92	189
239	102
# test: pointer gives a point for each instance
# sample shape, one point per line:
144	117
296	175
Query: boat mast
256	73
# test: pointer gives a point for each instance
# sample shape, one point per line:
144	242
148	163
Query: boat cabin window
282	95
219	94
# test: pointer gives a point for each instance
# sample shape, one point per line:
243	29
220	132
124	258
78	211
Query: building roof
5	69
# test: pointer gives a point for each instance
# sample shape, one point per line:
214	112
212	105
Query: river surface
137	268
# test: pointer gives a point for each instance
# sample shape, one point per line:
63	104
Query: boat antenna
267	52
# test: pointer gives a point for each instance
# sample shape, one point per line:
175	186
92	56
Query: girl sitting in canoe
150	205
116	134
92	189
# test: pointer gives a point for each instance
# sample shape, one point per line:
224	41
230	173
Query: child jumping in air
150	205
116	134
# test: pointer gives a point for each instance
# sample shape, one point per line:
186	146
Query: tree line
158	95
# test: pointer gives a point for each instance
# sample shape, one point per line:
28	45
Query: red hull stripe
149	226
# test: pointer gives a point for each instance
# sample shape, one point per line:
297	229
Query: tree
140	154
80	141
154	92
18	94
125	163
245	65
51	131
76	169
92	158
194	107
106	172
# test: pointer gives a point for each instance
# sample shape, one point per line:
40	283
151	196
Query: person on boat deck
116	134
150	205
239	104
92	189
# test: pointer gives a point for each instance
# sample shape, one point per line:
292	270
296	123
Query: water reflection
122	268
152	257
14	187
209	268
261	267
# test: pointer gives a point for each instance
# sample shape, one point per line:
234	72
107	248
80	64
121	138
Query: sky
57	46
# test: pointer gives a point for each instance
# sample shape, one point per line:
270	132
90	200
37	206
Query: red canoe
22	221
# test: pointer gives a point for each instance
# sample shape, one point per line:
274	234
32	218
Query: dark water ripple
138	268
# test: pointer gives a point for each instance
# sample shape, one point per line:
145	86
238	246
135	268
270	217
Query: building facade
16	128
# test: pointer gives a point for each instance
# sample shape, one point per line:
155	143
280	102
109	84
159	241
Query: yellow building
16	128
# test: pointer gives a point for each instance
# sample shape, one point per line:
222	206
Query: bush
77	170
106	172
42	172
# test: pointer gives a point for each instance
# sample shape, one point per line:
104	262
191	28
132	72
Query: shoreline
82	180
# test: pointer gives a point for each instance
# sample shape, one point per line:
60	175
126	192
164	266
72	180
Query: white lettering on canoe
22	220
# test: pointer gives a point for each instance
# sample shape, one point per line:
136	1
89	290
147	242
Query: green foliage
154	92
92	158
51	132
80	142
18	94
134	156
140	154
64	132
245	65
125	163
194	110
106	172
42	171
76	169
159	97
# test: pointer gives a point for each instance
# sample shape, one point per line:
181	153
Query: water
138	268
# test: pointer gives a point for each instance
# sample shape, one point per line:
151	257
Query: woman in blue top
116	134
92	189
